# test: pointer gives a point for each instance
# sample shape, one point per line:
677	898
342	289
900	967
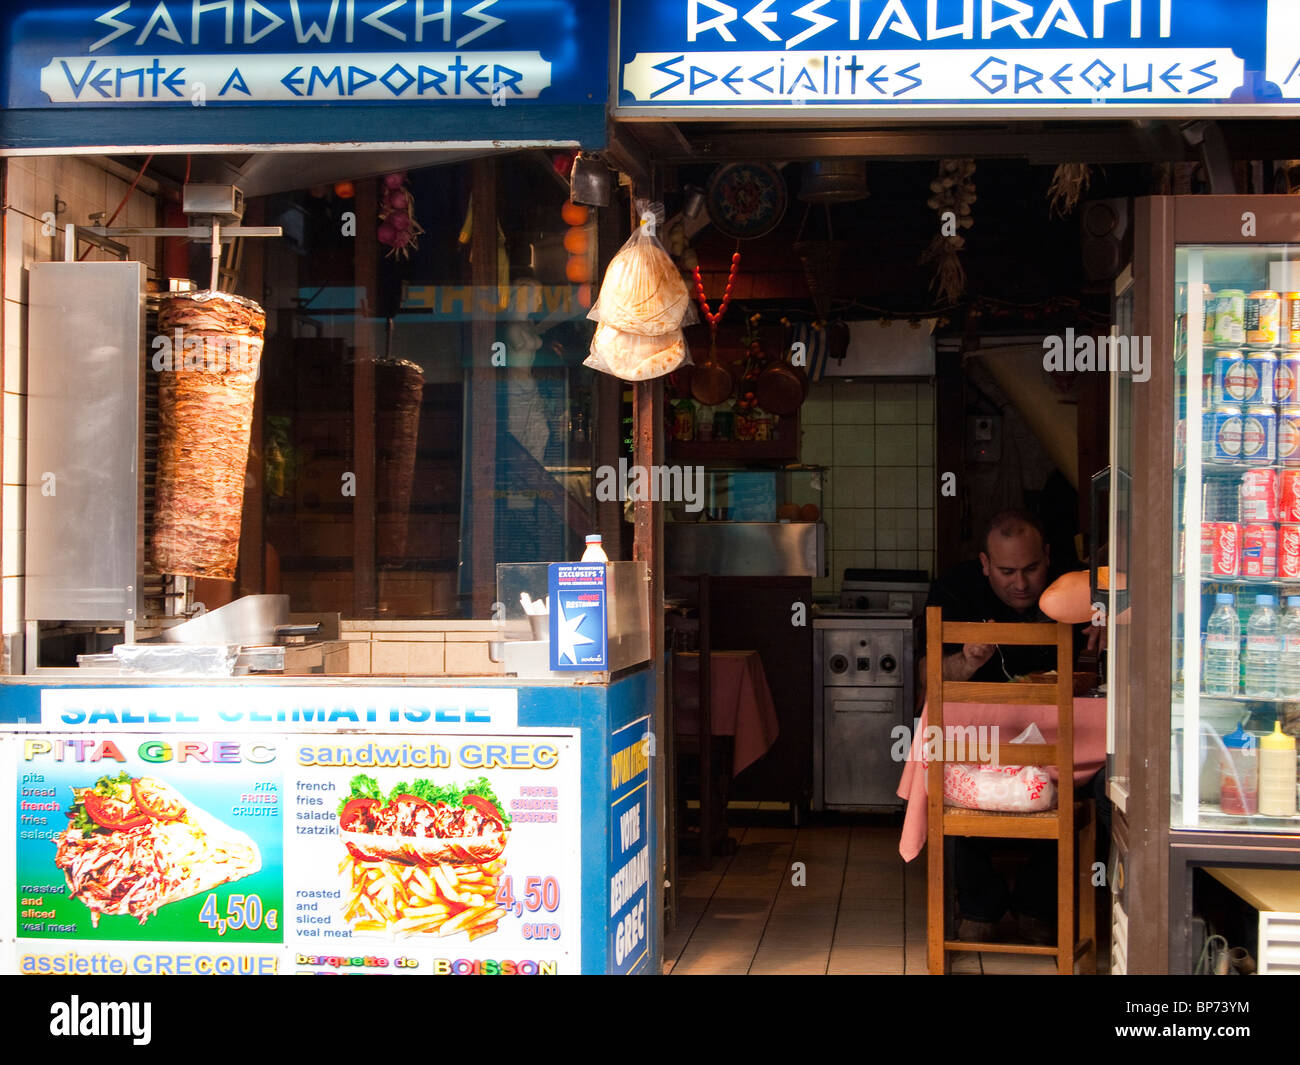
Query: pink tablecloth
1089	751
742	702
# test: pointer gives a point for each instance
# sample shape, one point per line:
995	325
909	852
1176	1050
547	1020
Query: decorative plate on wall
746	200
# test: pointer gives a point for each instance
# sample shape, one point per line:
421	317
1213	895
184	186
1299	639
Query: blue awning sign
323	77
168	52
704	58
812	78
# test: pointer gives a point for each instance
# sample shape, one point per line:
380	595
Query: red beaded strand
710	316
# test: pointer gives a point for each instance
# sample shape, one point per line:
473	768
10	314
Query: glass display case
792	493
1236	527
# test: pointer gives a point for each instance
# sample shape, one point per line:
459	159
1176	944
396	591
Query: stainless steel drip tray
185	660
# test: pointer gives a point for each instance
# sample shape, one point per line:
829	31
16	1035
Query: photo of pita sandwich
133	845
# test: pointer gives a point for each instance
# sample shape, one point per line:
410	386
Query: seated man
1004	585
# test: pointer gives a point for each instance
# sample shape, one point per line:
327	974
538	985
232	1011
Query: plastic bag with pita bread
642	291
632	357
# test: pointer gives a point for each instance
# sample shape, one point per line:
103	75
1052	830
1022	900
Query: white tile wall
32	186
878	440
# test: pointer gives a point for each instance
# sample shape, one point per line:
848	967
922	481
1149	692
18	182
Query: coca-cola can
1288	495
1259	551
1220	549
1258	497
1288	551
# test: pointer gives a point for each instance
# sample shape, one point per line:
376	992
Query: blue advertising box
578	625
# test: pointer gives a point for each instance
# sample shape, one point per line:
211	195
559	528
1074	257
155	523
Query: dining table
741	703
1010	720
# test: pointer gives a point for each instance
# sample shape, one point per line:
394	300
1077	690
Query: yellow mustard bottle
1277	774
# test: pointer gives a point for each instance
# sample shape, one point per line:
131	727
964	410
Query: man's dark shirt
965	594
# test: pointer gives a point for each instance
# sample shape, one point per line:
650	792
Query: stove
864	656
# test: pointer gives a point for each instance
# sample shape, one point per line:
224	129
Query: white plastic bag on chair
1001	788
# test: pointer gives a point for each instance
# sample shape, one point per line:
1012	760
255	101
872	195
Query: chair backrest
939	691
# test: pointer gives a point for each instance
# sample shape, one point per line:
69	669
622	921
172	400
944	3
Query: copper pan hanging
781	388
711	383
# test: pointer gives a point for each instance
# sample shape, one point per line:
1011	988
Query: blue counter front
416	827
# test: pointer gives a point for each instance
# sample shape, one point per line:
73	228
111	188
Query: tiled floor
820	900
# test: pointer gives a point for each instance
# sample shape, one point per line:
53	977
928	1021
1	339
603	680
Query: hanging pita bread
633	357
642	291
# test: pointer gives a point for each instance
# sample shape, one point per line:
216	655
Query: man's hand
963	664
1096	637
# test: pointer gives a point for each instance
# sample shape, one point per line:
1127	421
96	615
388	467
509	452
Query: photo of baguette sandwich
134	844
423	859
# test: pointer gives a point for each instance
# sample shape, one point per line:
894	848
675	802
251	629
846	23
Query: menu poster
443	855
140	837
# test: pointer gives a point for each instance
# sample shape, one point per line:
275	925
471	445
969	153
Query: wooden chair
690	691
1072	820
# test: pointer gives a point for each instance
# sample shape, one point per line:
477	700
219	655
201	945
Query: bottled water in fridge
1290	669
1263	649
1222	648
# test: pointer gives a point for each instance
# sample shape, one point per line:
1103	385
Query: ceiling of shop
265	173
1135	141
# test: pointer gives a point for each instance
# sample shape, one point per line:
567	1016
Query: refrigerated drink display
1236	532
1222	648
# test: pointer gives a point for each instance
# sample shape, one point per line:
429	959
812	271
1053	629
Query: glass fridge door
1113	580
1236	649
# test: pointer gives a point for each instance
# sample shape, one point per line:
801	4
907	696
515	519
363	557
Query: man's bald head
1015	558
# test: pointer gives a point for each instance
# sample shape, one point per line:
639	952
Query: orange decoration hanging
709	316
574	214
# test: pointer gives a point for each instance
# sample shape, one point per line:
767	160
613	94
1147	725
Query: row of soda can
1245	378
1253	551
1260	319
1234	434
1250	409
1250	527
1256	495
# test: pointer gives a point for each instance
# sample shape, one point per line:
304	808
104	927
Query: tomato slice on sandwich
157	799
111	812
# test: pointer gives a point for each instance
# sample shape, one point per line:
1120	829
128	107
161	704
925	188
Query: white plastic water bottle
1290	669
1263	649
1222	648
595	552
